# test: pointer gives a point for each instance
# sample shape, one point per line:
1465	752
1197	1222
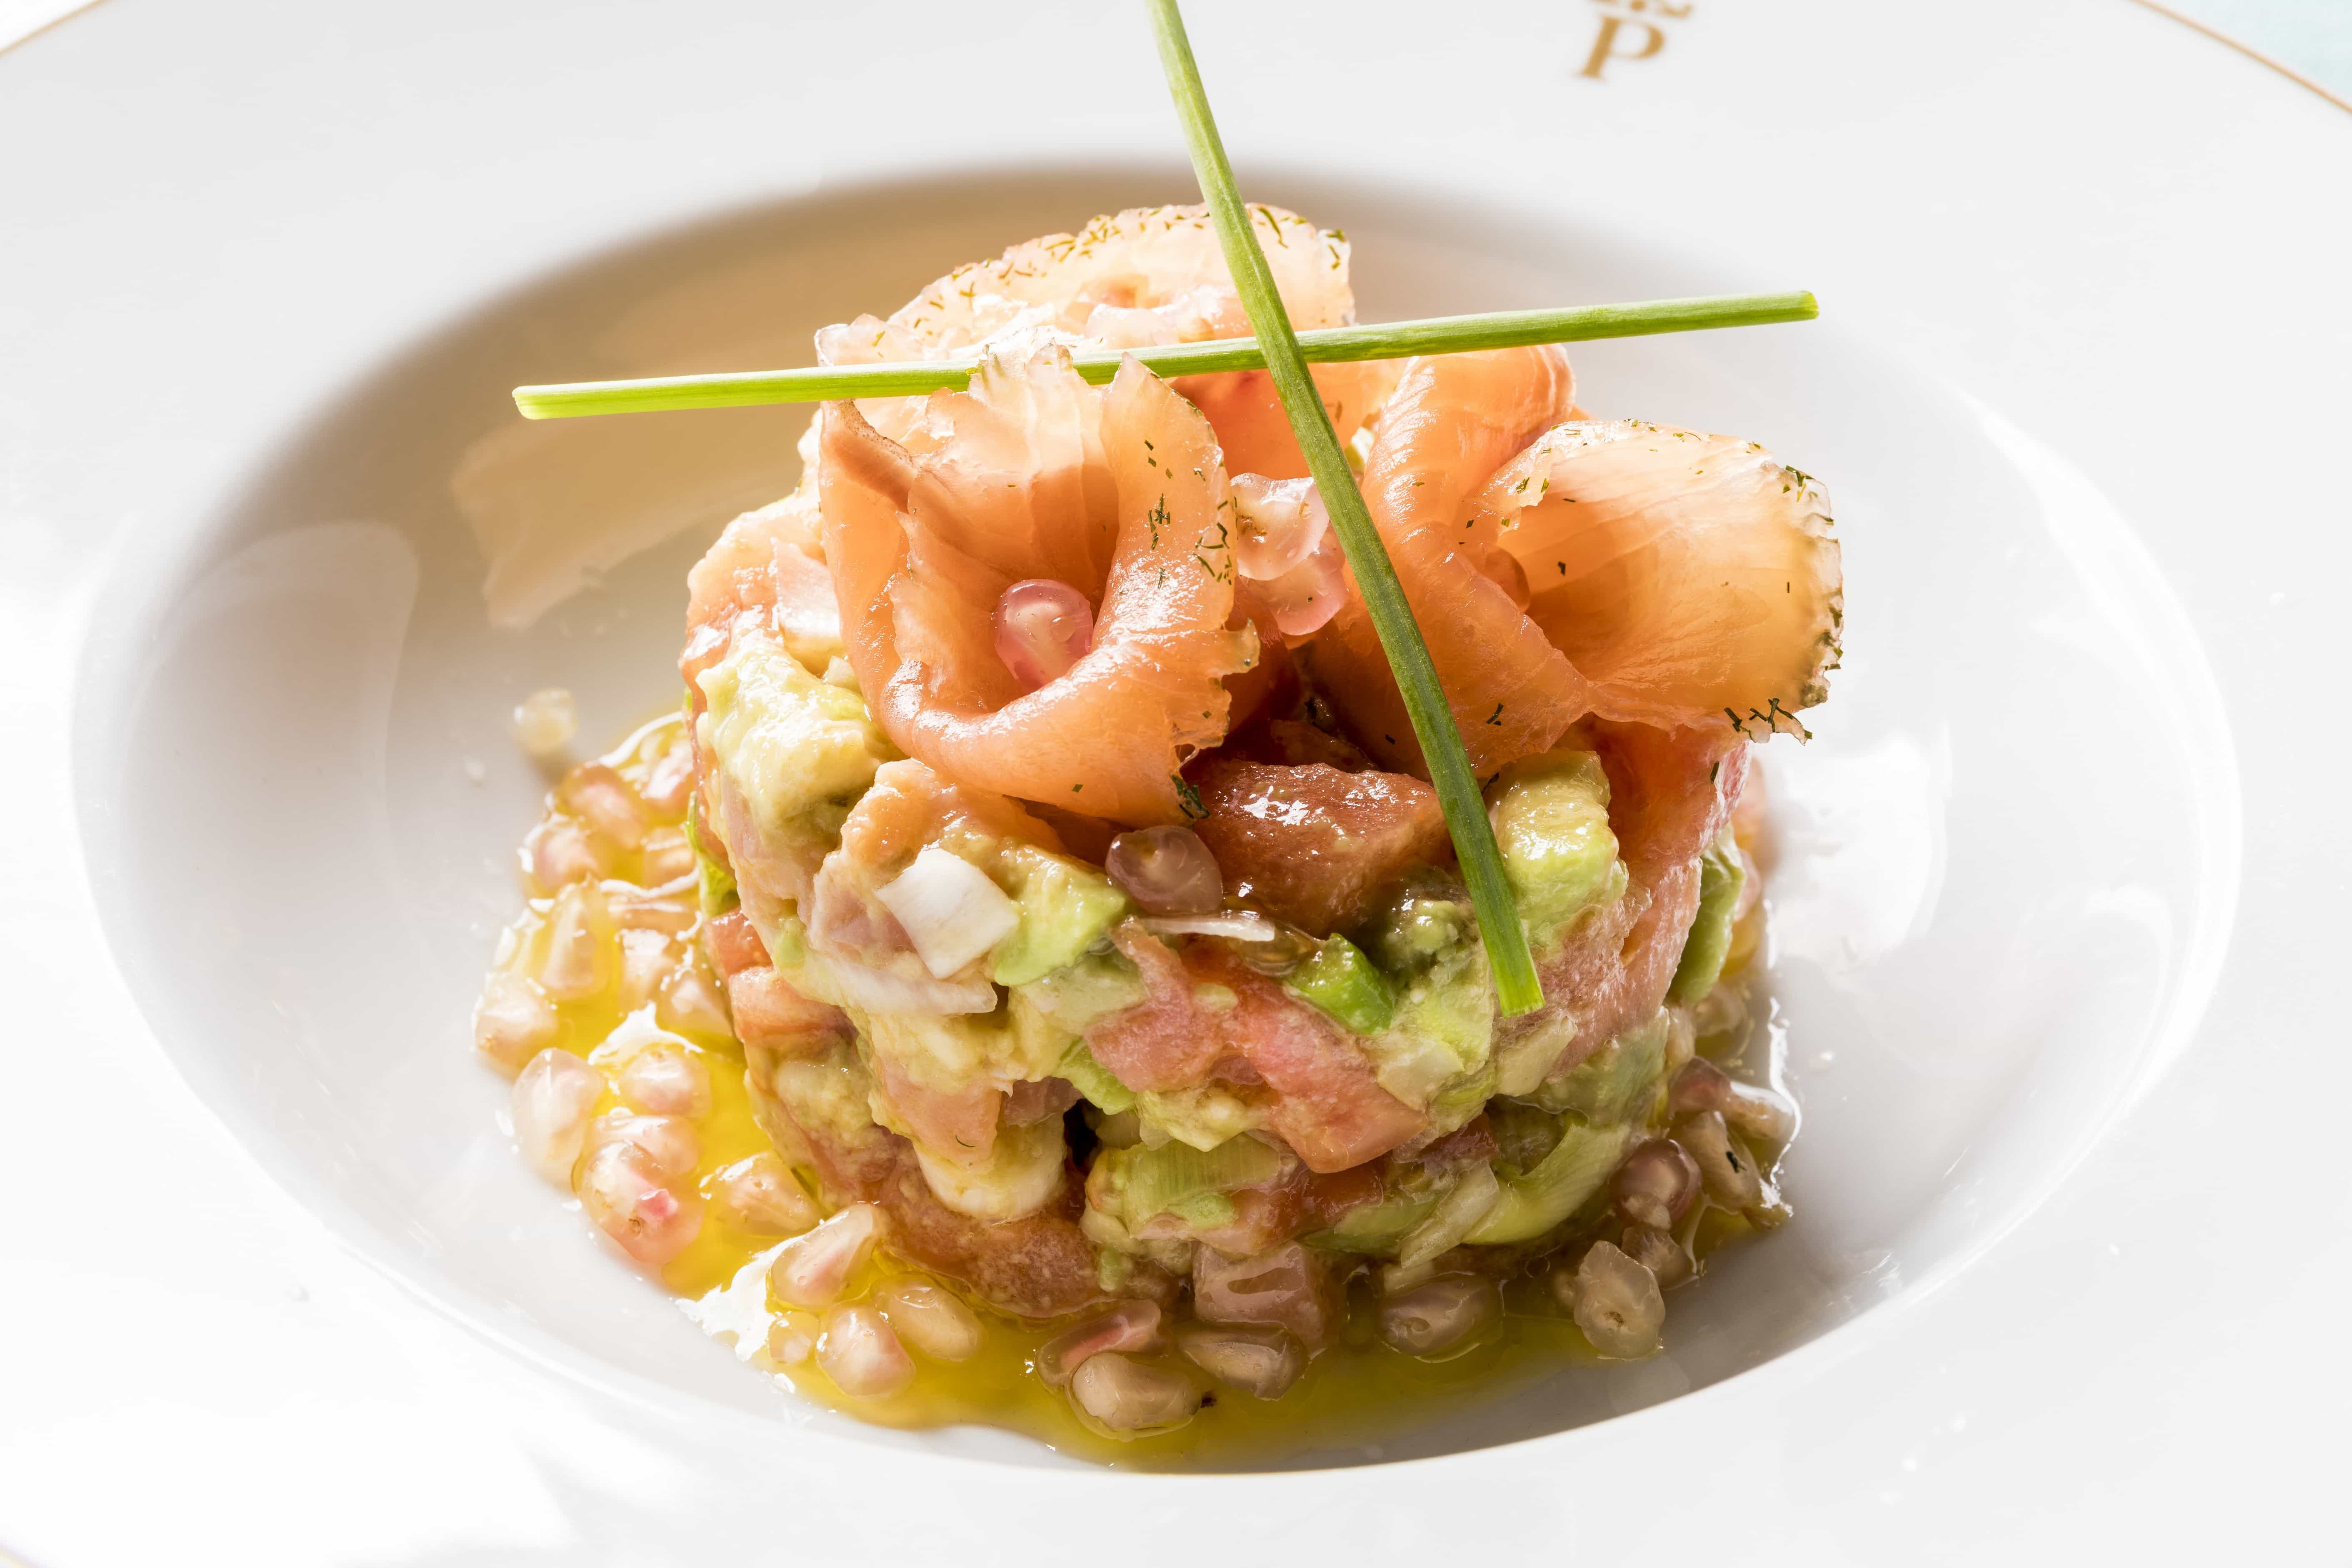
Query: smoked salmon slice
1143	277
769	563
1452	422
1635	571
1691	579
922	546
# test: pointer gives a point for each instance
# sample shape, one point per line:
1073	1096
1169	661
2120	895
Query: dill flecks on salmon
1066	881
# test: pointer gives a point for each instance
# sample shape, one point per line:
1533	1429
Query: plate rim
1658	1414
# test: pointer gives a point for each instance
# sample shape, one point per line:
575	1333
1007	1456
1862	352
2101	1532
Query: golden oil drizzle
1356	1395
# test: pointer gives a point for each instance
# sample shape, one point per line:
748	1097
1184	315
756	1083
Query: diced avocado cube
1374	1229
1563	1182
1138	1183
1102	1088
1551	821
1341	980
1619	1081
787	742
1420	924
1721	877
717	882
1065	907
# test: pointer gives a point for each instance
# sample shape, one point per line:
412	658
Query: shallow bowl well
292	751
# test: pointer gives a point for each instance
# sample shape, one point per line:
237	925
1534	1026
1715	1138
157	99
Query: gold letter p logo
1604	46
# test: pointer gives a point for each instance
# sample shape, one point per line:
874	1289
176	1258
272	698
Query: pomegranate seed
561	850
667	1080
1617	1303
1128	1326
1730	1175
1131	1396
1262	1361
813	1270
1432	1319
1168	870
1655	1184
1043	627
552	1097
668	1143
512	1021
759	1194
1305	598
545	720
671	778
929	1318
596	793
861	1354
1282	521
623	1195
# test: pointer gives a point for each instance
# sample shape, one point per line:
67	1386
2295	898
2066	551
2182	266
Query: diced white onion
952	912
872	989
1237	925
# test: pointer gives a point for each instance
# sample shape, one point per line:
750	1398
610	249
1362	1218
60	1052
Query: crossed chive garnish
1328	345
1285	354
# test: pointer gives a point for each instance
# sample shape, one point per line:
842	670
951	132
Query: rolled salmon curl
1691	579
1143	277
768	563
1452	421
999	489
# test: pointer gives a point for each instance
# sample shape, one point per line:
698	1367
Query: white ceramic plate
2062	876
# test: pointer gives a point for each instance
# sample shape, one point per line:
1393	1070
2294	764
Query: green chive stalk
1517	988
1386	340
